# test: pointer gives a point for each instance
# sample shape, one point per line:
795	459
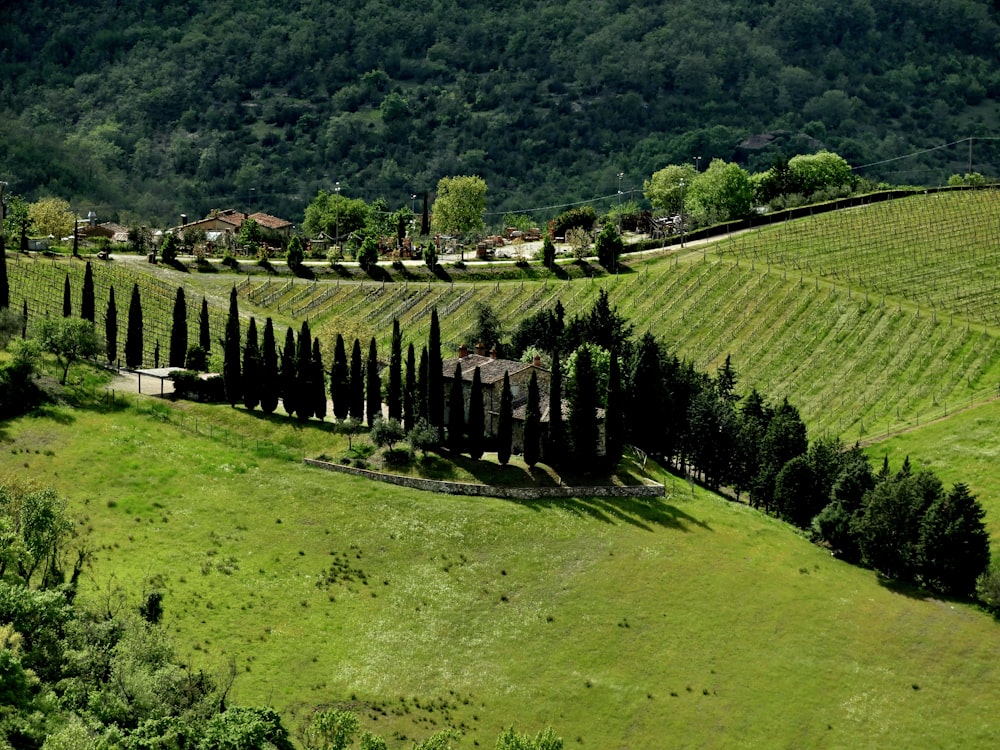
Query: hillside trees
721	193
663	188
133	337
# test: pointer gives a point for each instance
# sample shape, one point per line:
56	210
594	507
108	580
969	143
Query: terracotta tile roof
490	370
270	222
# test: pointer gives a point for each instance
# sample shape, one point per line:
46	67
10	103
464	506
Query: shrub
576	218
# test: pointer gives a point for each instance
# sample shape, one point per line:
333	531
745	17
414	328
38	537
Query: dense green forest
143	111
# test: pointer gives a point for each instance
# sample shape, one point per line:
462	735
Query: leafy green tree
373	385
204	331
170	248
11	324
111	327
610	246
335	215
456	413
19	220
269	370
250	236
67	299
331	729
178	331
133	337
812	173
231	376
545	740
239	728
505	422
476	426
721	193
52	217
541	329
460	205
305	401
357	401
252	366
289	375
340	383
394	392
423	437
87	303
954	543
803	486
430	256
368	254
488	328
532	422
295	255
69	339
410	389
784	439
548	252
663	188
386	432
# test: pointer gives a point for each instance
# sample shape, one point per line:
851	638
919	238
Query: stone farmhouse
221	227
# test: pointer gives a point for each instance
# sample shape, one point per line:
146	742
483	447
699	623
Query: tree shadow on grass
441	273
643	513
905	588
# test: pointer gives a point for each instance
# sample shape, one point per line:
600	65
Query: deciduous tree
460	205
69	339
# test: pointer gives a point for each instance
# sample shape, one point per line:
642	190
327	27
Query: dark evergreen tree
488	329
156	354
610	246
133	337
289	376
583	428
4	283
954	543
477	416
505	422
67	299
422	386
614	416
87	302
204	331
753	418
712	431
555	449
340	381
648	398
373	385
456	413
784	440
410	390
357	401
231	377
305	402
604	326
318	382
394	391
110	327
435	376
532	422
179	331
252	366
269	371
726	380
548	252
24	319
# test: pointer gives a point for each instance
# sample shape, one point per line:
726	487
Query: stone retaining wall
485	490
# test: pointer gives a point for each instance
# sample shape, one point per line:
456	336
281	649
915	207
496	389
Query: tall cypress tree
87	302
231	376
4	283
583	411
435	377
394	392
410	390
505	424
614	423
477	417
373	385
306	402
251	368
67	299
340	381
268	370
555	446
456	413
288	376
422	385
133	338
179	331
532	417
318	382
204	332
24	319
111	327
357	400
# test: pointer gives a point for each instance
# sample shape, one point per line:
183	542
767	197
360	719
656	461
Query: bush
189	385
576	218
398	457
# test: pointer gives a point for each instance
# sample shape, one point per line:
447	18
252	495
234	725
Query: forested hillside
146	110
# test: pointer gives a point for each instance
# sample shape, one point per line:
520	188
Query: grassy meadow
684	622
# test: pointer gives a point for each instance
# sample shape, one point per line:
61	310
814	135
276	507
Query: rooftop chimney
493	353
537	361
184	219
481	349
463	351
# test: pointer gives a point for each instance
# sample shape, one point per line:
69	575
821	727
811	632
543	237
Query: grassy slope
689	622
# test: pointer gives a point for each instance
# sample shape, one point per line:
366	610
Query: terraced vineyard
870	320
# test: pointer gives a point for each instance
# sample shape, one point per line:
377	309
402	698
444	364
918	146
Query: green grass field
688	621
